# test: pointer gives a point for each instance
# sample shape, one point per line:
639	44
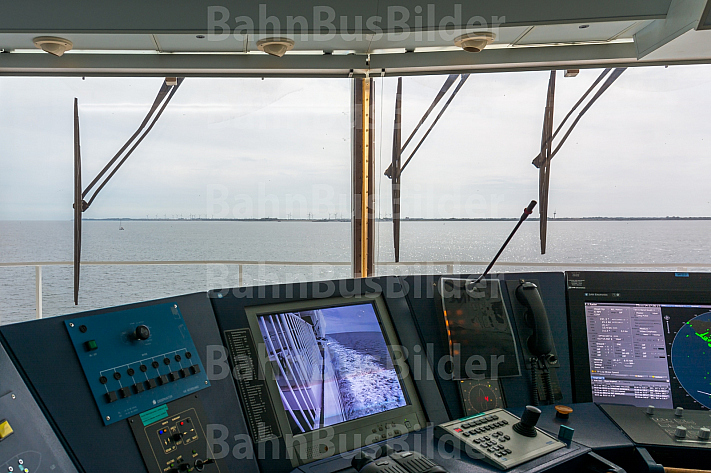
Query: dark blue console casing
127	375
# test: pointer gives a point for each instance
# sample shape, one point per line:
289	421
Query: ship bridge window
628	189
251	173
248	181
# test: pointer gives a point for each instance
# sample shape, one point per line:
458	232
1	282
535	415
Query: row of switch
144	368
123	393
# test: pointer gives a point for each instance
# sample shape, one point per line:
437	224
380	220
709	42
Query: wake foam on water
366	387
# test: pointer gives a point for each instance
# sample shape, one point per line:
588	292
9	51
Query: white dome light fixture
275	46
474	42
53	45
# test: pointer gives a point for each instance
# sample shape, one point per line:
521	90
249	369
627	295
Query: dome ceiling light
275	46
474	42
53	45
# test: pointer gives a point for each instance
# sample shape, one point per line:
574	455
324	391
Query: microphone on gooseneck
526	212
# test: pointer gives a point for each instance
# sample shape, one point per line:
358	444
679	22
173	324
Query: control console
27	442
499	437
173	438
667	427
137	359
387	460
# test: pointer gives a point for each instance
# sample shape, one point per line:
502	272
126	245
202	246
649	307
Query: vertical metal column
38	290
363	185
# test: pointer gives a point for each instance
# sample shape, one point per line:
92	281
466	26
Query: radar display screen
642	354
481	396
691	357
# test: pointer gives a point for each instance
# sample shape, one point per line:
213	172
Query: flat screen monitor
641	338
333	365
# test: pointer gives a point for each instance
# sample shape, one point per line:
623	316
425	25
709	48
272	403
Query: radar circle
691	358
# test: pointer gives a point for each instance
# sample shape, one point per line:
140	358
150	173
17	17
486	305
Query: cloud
641	150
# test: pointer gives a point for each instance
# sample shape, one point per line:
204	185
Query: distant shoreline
561	219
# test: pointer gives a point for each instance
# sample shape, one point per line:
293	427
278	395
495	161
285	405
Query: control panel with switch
665	427
499	437
27	442
172	438
137	359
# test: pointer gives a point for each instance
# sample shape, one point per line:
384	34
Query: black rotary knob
143	332
527	426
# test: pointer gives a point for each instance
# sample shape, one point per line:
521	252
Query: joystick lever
360	460
527	425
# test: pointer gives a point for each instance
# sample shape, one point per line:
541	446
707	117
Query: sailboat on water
120	226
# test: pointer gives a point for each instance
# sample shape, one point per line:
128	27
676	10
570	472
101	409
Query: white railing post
450	269
241	274
38	291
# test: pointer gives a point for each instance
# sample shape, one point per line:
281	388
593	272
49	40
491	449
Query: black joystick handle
360	460
527	426
384	451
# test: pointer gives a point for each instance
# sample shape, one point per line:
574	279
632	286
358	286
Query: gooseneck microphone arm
526	212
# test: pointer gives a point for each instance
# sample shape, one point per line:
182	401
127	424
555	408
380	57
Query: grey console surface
592	427
28	443
659	428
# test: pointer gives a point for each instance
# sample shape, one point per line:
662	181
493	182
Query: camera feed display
331	365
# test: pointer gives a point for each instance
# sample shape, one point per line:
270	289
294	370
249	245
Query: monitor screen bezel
395	350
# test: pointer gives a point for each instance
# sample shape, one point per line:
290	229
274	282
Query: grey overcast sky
279	147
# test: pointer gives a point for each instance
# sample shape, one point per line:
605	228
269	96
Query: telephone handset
541	350
540	343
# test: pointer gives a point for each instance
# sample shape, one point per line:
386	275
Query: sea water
677	242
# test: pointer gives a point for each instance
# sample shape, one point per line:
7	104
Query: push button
174	376
5	430
185	372
195	369
151	384
90	345
124	392
111	397
163	379
139	388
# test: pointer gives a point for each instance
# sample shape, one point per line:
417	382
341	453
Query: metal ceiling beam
683	16
257	65
133	16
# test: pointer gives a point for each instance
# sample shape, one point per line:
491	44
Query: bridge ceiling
339	38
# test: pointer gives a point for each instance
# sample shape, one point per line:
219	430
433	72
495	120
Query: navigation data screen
332	365
642	354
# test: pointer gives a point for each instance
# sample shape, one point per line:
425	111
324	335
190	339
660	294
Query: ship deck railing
381	268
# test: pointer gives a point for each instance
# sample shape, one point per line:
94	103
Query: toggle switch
565	433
